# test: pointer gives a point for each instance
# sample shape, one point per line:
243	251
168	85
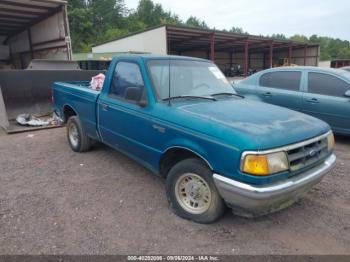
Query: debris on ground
37	120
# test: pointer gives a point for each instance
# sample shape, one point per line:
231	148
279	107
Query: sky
266	17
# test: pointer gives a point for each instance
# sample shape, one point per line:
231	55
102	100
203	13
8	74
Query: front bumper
256	200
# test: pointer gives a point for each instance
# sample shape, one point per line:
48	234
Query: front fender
192	146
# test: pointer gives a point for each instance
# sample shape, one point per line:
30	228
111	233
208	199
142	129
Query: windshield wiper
201	97
228	94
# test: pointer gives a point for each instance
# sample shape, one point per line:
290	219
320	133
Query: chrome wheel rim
73	135
193	193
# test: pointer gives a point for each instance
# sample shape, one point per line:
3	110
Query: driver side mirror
134	94
347	93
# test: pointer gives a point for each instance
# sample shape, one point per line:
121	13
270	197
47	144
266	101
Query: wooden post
305	49
271	55
212	47
246	55
30	43
290	54
67	32
167	41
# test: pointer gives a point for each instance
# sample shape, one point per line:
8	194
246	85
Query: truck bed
77	95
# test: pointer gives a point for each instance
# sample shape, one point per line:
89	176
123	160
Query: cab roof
160	57
307	68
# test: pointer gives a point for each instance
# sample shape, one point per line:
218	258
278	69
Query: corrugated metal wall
48	41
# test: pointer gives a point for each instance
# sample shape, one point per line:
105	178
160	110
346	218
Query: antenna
169	82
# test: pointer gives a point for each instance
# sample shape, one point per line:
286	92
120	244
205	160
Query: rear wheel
76	135
191	192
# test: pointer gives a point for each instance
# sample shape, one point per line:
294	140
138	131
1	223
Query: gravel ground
55	201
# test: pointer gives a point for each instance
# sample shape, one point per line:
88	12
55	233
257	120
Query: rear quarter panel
81	99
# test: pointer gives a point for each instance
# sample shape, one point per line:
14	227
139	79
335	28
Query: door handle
313	100
267	94
104	106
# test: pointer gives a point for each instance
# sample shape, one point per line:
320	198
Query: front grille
307	154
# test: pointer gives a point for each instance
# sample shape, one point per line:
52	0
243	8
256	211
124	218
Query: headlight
263	165
331	141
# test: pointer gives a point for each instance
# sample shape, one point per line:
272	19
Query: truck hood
254	124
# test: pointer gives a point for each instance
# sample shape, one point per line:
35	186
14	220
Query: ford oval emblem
312	153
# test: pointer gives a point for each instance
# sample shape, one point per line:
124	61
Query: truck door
281	88
325	100
123	122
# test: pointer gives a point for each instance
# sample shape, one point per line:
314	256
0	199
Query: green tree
237	30
331	48
81	26
149	14
279	36
299	38
92	21
196	22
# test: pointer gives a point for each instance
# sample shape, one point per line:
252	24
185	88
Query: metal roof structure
19	15
184	38
223	47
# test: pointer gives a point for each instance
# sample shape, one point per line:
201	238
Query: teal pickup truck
180	118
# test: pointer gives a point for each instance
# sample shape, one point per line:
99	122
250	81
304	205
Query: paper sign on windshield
218	74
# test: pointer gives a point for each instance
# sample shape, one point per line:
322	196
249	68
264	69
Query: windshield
187	78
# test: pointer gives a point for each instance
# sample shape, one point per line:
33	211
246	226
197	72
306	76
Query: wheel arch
68	111
175	154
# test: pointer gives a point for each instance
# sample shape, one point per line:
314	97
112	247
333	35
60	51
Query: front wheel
191	192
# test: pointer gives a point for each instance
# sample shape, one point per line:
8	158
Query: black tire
83	142
216	206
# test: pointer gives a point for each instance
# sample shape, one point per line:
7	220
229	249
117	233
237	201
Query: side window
281	80
327	85
126	75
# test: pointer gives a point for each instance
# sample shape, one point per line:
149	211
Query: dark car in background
322	93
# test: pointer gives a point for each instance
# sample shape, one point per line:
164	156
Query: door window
327	85
281	80
126	75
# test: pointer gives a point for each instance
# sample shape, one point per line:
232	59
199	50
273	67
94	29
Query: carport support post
67	32
212	47
271	55
246	56
30	43
290	54
305	49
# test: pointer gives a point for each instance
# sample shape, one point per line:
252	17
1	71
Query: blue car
322	93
